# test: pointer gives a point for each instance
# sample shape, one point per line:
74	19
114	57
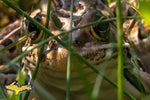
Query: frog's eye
100	30
33	28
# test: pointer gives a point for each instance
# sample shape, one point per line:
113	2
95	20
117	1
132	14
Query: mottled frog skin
94	48
96	43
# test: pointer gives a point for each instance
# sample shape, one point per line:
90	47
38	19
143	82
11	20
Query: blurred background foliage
8	15
144	8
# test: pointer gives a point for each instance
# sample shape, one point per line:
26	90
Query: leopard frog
95	44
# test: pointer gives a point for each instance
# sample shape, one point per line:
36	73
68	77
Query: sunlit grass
69	54
144	7
120	49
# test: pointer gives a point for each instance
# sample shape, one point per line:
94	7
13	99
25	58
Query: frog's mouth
56	59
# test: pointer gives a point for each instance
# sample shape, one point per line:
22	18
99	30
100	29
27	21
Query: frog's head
90	42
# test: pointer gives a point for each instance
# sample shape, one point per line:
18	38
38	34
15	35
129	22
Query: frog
91	43
95	43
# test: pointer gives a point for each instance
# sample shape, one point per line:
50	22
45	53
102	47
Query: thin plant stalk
20	40
21	45
136	61
44	37
99	79
120	49
83	77
69	54
41	50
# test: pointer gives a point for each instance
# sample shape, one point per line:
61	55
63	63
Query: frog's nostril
77	42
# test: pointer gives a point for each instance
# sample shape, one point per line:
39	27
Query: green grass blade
3	94
21	77
42	48
120	49
137	67
21	44
41	90
83	77
69	54
6	60
99	79
20	40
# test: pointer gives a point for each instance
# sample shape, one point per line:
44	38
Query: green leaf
144	7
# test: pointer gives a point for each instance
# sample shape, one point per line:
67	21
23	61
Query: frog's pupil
97	16
32	27
101	26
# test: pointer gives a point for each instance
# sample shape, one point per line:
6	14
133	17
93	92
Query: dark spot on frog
77	42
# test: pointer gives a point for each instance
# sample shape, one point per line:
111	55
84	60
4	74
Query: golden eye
100	30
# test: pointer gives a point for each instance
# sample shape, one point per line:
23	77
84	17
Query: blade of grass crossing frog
42	48
7	60
99	79
16	42
21	45
133	79
41	90
83	77
13	97
21	76
3	94
120	49
69	54
137	78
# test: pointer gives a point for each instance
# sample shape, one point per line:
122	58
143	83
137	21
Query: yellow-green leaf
144	8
